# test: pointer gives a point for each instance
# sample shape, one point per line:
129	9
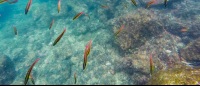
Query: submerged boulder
7	70
179	74
191	52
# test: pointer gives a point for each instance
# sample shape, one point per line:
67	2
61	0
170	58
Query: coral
179	74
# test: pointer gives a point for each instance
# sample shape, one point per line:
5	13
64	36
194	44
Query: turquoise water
123	60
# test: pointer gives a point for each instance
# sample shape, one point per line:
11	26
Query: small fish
151	65
119	31
3	1
184	29
32	80
104	6
57	40
78	15
15	30
168	51
13	2
28	7
125	5
165	3
51	24
151	2
134	3
87	15
85	58
88	51
59	6
75	77
29	72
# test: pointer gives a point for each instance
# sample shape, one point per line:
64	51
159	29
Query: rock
7	70
179	74
191	52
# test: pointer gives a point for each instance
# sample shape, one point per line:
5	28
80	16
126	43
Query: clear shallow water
122	60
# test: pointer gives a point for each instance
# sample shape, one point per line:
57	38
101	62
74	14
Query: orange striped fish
184	29
29	72
32	80
75	77
88	51
59	6
125	5
3	1
119	31
51	24
28	7
134	3
78	15
85	58
87	15
151	65
13	2
15	30
104	6
57	40
151	2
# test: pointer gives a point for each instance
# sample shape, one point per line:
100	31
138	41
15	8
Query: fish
29	72
59	6
75	77
165	2
32	80
28	6
88	51
51	24
87	15
168	51
151	2
184	29
3	1
57	40
15	1
78	15
85	58
134	3
119	31
125	5
104	6
15	30
151	65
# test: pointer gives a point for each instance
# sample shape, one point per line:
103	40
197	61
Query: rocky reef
179	74
191	52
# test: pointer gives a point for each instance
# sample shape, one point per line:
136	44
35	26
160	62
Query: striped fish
28	7
88	51
151	2
15	30
151	65
125	5
29	72
75	77
57	40
85	58
78	15
134	3
119	31
51	24
59	6
13	2
3	1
